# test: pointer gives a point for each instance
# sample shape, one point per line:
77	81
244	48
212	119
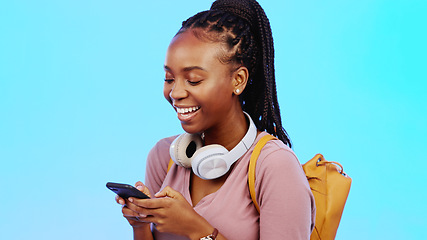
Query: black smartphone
126	190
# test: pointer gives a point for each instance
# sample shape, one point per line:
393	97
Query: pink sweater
286	203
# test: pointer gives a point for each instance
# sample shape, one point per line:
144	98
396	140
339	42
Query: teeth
187	110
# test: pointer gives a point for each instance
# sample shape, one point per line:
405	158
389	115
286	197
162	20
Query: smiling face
198	85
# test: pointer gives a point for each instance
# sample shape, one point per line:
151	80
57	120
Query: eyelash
169	80
192	83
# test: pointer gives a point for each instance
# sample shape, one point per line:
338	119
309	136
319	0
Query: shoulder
157	164
160	152
275	154
164	142
278	166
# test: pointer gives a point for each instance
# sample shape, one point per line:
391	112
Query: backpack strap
170	164
252	164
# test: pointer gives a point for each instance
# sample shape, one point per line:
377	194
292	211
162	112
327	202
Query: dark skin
195	79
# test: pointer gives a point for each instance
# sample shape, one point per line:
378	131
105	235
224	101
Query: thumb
141	187
169	192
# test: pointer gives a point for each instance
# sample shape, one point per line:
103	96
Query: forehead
186	49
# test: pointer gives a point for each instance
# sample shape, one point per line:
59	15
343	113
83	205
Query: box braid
244	30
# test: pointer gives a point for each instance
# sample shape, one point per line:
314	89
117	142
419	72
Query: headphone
211	161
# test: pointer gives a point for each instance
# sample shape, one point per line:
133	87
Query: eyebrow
187	69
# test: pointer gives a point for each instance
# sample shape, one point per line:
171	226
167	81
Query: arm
156	170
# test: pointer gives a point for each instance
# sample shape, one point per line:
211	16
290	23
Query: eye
194	83
169	80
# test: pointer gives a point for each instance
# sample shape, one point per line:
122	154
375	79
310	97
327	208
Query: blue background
81	104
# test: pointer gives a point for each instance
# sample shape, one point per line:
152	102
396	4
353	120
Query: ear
240	79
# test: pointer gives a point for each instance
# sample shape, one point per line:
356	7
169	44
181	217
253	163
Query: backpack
328	182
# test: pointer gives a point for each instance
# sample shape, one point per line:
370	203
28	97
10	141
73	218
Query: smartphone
126	190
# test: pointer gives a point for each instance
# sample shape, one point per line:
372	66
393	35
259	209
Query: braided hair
245	33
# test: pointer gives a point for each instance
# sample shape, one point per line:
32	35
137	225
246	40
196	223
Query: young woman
219	78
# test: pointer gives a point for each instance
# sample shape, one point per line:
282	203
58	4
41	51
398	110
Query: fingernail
121	202
130	199
140	187
142	215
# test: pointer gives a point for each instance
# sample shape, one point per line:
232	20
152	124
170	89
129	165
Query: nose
178	90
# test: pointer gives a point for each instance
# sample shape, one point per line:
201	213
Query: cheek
216	96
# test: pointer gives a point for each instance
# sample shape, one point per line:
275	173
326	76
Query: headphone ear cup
209	162
184	147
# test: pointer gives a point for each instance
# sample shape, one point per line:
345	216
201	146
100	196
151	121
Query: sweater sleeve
157	165
287	208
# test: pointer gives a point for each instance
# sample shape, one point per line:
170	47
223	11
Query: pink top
286	203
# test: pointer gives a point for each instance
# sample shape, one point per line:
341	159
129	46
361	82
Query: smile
186	114
187	110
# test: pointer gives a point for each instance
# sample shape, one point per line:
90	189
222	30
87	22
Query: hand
171	213
133	218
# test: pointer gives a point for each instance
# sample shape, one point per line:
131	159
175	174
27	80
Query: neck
229	134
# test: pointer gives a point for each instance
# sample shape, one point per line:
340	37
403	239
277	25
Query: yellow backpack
329	185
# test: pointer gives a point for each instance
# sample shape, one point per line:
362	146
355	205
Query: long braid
245	29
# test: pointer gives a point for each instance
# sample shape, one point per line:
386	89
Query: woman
218	66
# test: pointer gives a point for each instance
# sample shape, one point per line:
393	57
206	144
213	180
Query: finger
150	205
141	187
135	219
138	210
120	200
169	192
140	219
139	183
127	212
148	218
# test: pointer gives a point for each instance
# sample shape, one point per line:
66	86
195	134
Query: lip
186	114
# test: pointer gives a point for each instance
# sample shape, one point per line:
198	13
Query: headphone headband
246	141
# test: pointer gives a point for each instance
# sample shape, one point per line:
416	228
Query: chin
191	129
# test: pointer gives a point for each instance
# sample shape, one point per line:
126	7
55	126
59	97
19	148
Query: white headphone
211	161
